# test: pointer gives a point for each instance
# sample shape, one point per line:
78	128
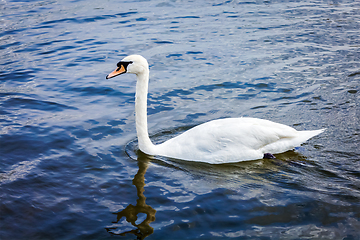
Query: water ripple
70	165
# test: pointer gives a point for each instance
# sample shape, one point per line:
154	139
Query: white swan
218	141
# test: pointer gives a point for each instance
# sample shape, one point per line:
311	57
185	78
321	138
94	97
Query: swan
218	141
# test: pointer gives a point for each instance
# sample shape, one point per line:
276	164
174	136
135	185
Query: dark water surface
69	165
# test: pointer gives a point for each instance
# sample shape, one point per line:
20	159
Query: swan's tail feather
309	134
286	144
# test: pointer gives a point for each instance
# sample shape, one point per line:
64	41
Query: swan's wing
242	138
252	133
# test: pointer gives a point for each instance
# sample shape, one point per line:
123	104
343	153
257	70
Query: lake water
70	166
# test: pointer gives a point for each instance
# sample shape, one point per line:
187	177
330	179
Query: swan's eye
123	63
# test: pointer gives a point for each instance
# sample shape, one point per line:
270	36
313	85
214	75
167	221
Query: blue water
69	162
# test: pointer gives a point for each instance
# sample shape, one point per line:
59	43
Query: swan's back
233	140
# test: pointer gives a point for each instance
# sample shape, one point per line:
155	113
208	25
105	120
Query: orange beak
116	72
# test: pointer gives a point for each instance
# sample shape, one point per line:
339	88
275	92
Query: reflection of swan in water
131	212
201	178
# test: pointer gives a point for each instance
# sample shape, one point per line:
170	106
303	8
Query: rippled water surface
69	162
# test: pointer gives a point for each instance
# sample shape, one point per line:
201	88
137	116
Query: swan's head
135	64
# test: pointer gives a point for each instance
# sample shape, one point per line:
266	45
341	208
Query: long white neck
144	141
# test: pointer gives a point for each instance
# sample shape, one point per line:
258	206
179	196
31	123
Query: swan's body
218	141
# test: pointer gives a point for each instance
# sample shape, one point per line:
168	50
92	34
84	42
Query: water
69	165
